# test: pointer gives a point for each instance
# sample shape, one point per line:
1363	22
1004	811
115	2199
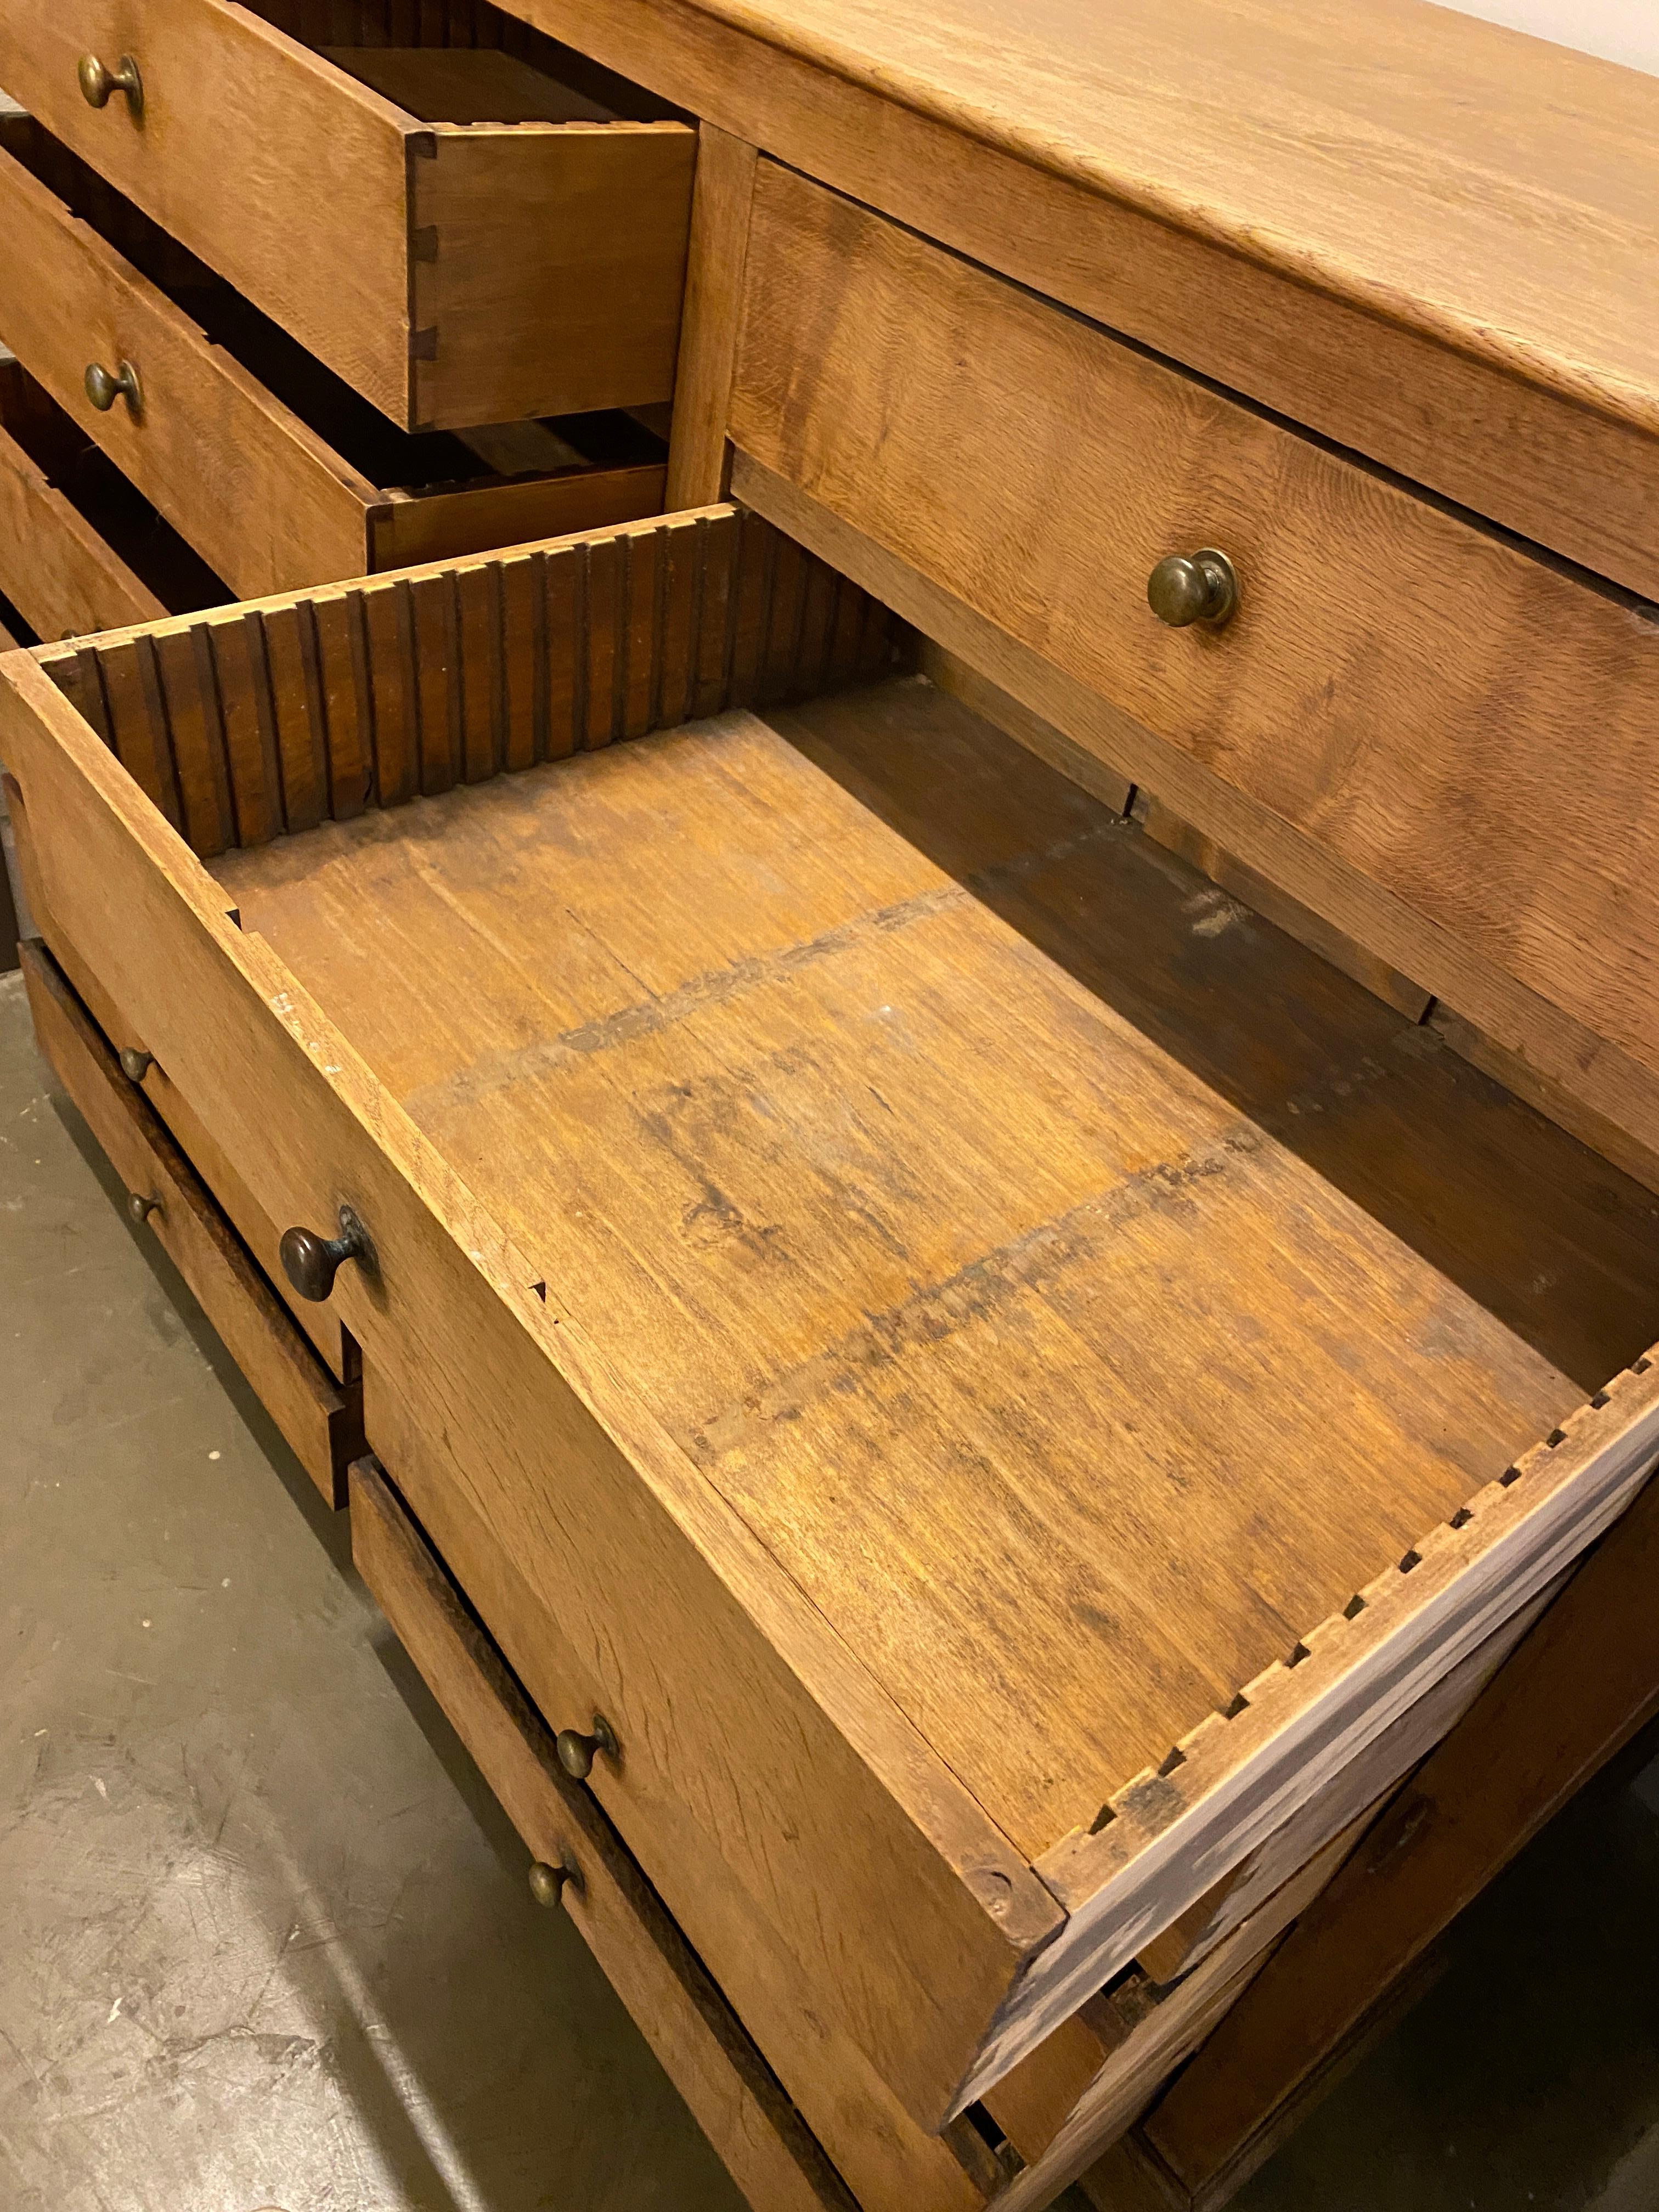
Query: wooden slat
732	2094
564	593
347	716
524	685
685	554
709	336
185	670
323	1423
640	633
390	619
296	694
248	715
605	586
478	635
718	538
437	679
137	722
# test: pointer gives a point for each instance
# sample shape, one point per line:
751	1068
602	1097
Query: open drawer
81	548
997	1375
272	468
478	231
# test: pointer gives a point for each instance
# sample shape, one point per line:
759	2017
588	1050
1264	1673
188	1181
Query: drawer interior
463	61
402	466
1079	1286
97	488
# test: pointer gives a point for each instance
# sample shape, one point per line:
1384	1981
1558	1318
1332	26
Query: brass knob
98	83
1192	587
136	1064
310	1262
547	1883
104	390
577	1751
140	1207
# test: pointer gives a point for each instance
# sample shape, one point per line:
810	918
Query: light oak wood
258	1233
323	1423
274	716
767	891
472	1106
714	297
80	549
732	2093
1584	1682
1396	685
760	1752
260	495
1561	1058
1420	234
556	271
272	494
451	272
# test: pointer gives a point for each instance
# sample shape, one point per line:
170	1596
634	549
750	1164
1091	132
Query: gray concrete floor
265	1937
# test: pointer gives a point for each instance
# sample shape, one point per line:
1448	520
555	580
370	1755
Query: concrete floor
265	1937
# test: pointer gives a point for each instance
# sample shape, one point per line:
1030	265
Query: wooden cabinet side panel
908	1915
260	497
553	279
1418	728
283	174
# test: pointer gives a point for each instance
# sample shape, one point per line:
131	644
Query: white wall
1622	30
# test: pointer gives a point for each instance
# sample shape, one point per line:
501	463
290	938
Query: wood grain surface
261	496
1415	723
768	1778
1424	236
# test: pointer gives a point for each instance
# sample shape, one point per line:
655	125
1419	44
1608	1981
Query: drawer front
322	1423
755	1746
1406	690
704	2050
252	151
263	499
453	274
54	568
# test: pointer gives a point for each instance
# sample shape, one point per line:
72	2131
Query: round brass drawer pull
140	1207
310	1262
104	390
577	1751
1193	587
99	84
547	1883
136	1063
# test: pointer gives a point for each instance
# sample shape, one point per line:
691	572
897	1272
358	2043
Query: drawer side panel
284	173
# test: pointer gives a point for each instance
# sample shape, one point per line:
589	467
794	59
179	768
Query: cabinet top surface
1495	189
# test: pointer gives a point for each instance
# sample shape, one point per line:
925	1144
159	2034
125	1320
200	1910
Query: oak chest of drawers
989	1404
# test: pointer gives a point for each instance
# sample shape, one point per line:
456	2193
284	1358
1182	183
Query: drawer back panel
1435	712
266	720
